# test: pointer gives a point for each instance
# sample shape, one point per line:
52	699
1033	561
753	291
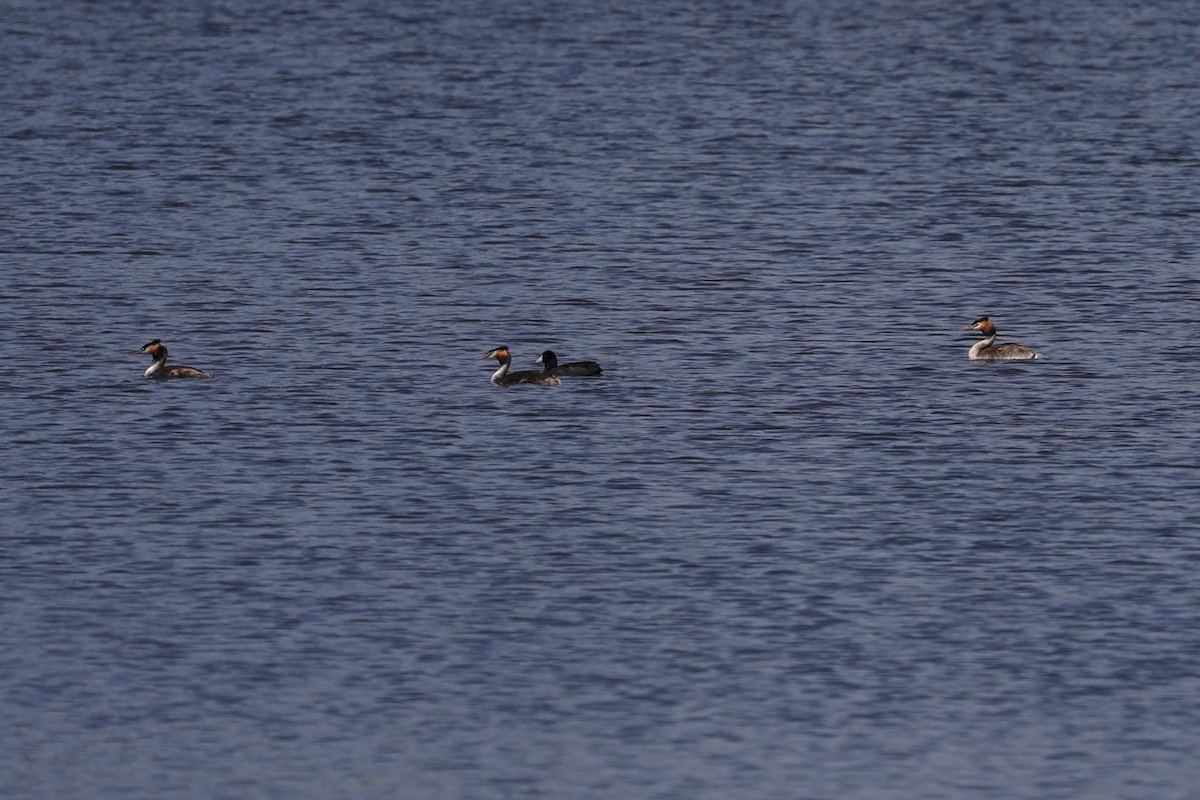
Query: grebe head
983	325
500	353
155	348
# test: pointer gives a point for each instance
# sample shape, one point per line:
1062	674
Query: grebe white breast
502	376
550	366
160	369
986	349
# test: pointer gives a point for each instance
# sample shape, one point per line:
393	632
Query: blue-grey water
792	543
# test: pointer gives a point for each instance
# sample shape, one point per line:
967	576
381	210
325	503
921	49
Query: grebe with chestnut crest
502	376
161	369
987	350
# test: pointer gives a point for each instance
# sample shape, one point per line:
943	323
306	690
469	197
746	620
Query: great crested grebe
160	368
550	366
502	377
987	350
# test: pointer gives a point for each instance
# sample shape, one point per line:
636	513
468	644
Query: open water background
792	544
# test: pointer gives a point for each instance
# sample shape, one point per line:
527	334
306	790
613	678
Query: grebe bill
987	350
160	369
578	368
502	376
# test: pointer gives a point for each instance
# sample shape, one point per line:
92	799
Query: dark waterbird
578	368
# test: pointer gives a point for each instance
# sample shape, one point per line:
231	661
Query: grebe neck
980	346
157	366
499	374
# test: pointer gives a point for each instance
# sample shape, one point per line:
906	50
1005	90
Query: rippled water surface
790	544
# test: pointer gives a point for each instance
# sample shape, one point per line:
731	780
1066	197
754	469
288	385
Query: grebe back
987	350
160	369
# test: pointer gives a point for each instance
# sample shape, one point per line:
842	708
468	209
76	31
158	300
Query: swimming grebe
987	350
502	377
552	367
159	369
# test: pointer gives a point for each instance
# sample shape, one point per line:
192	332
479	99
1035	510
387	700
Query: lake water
792	543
